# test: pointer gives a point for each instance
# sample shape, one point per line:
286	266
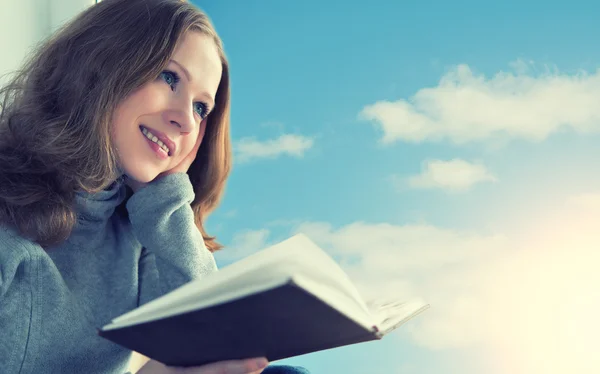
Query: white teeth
153	137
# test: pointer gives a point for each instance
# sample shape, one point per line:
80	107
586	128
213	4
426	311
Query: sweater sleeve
173	252
18	274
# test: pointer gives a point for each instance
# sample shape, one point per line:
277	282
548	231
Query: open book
287	300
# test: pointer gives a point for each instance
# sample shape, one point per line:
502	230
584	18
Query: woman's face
174	105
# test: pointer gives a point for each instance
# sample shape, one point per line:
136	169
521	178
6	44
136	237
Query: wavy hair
55	114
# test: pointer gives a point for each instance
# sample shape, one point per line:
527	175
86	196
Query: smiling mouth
159	143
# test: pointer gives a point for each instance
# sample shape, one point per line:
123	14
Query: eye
170	77
201	109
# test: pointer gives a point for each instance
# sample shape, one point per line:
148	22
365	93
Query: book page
337	300
281	261
391	313
207	300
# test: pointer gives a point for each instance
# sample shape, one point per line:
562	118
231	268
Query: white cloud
416	261
409	261
453	175
243	244
247	149
535	302
530	301
468	107
586	201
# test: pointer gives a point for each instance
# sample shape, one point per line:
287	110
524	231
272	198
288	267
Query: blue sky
454	143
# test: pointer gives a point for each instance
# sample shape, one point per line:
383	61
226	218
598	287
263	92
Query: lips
163	138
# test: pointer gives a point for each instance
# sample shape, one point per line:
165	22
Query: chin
142	176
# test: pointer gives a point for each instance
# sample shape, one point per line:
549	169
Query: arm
18	281
163	222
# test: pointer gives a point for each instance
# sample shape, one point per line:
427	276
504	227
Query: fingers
249	366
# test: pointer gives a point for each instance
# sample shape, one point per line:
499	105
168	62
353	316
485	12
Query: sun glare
549	302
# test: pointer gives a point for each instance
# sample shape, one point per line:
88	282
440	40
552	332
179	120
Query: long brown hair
55	114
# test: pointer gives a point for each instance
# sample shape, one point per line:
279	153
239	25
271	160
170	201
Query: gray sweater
51	303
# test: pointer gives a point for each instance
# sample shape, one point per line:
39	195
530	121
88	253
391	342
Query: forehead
198	53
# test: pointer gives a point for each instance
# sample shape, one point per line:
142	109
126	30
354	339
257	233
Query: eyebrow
189	78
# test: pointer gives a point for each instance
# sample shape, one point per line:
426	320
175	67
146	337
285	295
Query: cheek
201	133
202	129
119	118
121	112
189	145
148	99
151	98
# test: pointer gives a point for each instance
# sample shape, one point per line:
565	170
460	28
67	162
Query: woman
114	148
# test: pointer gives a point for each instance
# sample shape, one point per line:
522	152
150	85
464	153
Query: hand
182	167
249	366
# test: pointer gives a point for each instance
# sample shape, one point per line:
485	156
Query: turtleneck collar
100	206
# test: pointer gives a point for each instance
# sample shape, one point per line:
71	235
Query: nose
181	116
